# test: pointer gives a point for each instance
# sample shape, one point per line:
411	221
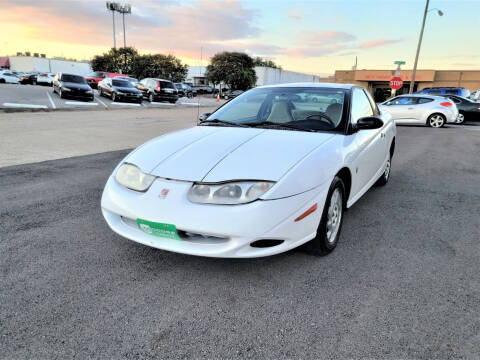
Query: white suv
6	76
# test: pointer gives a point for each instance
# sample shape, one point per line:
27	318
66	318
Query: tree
232	68
258	61
129	61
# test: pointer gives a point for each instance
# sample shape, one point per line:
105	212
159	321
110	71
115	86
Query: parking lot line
80	103
27	106
189	104
124	103
51	100
101	102
161	104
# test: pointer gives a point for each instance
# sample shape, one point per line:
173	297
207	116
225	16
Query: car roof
422	96
312	85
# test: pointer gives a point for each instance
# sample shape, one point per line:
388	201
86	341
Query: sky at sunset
315	37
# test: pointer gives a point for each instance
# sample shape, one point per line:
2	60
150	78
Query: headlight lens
132	177
229	193
66	89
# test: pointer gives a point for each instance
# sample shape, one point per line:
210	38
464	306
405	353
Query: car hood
76	86
216	154
127	90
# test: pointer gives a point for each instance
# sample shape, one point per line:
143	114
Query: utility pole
414	72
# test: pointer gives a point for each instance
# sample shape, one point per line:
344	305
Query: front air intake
266	243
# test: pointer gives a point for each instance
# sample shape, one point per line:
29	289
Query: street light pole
414	72
114	39
124	39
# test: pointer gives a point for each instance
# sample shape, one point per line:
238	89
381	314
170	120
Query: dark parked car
203	89
185	90
119	89
72	86
28	79
459	91
232	94
158	90
466	107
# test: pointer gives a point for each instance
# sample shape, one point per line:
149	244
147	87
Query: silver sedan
433	111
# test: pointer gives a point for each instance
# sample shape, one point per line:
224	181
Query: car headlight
132	177
228	193
66	89
89	92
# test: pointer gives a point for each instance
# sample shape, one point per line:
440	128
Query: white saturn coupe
270	170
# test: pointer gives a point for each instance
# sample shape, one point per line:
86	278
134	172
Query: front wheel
460	118
328	231
436	120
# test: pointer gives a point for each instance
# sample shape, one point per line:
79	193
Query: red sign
396	83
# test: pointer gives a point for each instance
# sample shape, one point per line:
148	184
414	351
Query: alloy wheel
334	215
386	173
460	119
436	121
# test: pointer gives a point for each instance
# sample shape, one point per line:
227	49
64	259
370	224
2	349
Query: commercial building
265	76
377	81
42	64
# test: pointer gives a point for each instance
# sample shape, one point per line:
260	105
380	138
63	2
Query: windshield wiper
218	121
284	125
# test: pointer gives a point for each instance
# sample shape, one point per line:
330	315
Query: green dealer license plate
168	231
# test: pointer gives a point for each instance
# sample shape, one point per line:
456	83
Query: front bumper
129	97
215	230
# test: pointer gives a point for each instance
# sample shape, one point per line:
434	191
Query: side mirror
369	123
204	116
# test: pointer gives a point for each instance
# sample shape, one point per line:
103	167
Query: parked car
445	91
203	89
29	78
468	109
475	95
119	89
7	76
232	94
45	78
434	111
158	90
72	86
185	90
259	176
95	77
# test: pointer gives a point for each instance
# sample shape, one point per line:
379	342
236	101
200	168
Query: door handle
382	135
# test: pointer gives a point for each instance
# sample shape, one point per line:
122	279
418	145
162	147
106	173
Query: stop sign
396	83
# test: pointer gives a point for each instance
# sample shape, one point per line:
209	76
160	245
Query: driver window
361	106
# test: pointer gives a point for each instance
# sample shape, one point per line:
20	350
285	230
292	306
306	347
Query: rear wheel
460	118
2	81
150	97
383	180
436	120
330	226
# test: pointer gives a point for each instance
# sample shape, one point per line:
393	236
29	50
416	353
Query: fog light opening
266	243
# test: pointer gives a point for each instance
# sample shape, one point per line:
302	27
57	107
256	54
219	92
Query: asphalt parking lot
403	283
14	97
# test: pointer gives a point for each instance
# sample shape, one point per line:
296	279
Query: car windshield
73	79
306	109
122	83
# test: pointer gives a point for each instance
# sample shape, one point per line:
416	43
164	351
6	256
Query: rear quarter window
424	100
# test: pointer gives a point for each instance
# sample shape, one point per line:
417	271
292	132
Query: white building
32	63
271	76
265	76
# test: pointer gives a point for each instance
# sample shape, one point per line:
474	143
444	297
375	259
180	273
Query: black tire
2	81
383	180
461	118
432	120
172	101
320	245
150	97
34	82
